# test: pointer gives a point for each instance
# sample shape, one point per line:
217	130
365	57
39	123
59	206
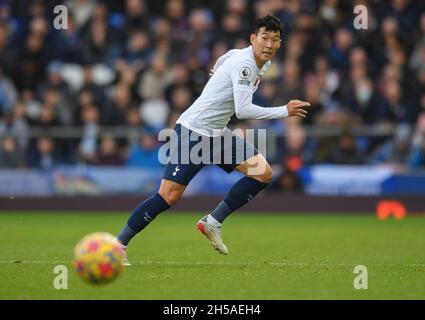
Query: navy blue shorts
191	153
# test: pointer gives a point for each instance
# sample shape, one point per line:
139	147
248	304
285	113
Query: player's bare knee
173	198
170	196
267	176
170	191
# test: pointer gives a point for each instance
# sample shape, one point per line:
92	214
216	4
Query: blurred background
81	107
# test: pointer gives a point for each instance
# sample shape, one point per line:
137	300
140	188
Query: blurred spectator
7	51
322	150
97	43
81	11
10	155
136	15
356	91
28	67
53	99
122	100
44	155
329	13
291	87
405	16
387	40
154	113
67	43
346	150
140	63
108	153
326	78
91	89
295	151
238	7
231	29
181	98
201	33
417	58
162	33
47	117
312	95
287	182
417	156
88	145
266	93
85	98
136	53
145	154
339	53
133	124
15	124
394	107
172	118
396	151
176	14
181	78
155	79
55	89
8	94
307	34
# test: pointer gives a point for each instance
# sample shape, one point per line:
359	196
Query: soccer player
234	78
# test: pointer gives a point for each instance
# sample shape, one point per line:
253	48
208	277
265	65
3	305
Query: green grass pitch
271	256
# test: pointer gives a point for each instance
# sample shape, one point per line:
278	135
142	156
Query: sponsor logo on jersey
244	82
245	73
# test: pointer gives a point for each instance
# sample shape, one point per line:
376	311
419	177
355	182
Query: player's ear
252	38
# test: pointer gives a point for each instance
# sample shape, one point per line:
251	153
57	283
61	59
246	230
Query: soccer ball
98	258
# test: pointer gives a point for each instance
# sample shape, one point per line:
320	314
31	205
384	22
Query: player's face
265	45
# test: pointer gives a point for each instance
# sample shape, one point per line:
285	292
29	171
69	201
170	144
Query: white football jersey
230	89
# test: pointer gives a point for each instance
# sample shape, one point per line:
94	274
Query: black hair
271	23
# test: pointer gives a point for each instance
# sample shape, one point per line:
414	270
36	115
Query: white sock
213	221
119	242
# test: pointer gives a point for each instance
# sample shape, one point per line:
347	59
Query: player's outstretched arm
245	109
295	108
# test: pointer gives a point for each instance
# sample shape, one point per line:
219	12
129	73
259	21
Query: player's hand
211	72
295	108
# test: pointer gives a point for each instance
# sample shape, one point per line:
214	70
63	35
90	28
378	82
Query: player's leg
169	193
258	174
176	177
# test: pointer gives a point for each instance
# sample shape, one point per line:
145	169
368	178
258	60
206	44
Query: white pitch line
33	262
218	263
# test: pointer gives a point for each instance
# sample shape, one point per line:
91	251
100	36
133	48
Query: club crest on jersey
245	73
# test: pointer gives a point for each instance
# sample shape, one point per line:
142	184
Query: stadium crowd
137	64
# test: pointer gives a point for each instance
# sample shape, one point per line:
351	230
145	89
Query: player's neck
258	62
